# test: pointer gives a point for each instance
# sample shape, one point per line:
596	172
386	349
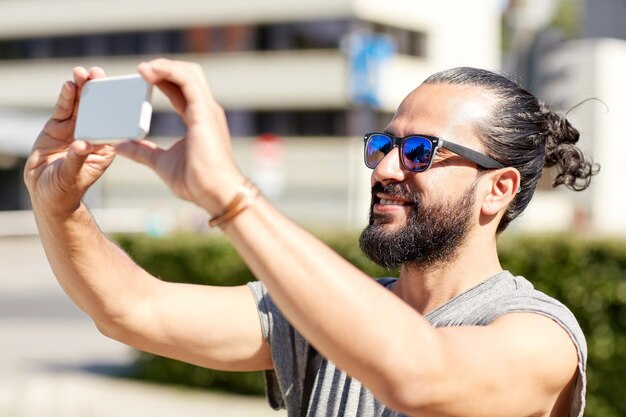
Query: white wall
294	79
575	72
26	18
609	198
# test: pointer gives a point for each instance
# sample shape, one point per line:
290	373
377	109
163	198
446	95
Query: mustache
394	190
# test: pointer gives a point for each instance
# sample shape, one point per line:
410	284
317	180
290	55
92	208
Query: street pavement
55	363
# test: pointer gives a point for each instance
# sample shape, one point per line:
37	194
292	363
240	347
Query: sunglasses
417	151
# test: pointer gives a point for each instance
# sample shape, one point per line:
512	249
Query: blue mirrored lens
376	147
417	152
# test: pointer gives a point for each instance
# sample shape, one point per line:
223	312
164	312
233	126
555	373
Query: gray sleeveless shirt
336	394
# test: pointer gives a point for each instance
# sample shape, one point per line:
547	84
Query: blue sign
367	53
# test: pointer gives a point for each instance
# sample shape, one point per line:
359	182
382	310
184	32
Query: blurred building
604	19
301	81
583	78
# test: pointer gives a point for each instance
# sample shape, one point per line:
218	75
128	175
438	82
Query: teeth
386	202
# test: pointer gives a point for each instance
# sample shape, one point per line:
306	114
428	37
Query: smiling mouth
386	201
386	208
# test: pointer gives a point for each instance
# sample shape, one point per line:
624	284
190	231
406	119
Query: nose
389	169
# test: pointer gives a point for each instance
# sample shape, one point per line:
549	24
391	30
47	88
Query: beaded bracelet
245	197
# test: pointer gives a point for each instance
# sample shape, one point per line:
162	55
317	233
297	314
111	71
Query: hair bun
574	170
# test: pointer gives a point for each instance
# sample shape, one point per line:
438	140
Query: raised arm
210	326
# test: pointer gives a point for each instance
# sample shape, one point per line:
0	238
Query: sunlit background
301	81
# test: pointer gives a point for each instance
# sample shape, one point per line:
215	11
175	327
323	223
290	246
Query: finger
101	155
75	159
173	93
188	77
142	151
81	76
172	90
96	72
65	103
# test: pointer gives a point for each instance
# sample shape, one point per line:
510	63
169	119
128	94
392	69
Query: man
455	335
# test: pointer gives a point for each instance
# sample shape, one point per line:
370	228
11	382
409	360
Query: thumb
75	159
142	151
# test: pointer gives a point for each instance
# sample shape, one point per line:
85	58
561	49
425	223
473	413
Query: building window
247	123
321	34
408	42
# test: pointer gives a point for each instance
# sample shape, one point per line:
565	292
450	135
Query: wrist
244	198
222	192
58	213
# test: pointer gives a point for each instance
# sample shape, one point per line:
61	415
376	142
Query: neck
426	288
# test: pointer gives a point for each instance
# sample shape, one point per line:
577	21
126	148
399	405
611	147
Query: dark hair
524	133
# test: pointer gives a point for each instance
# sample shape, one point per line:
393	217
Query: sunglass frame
476	157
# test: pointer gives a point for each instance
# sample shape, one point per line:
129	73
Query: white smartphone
113	109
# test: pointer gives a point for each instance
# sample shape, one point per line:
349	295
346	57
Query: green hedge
587	275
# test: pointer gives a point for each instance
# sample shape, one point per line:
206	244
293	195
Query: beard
432	233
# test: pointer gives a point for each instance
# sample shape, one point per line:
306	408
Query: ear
501	188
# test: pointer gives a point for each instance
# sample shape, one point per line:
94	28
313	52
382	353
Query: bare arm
209	326
214	327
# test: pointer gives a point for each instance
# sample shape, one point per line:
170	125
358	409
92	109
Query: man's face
423	218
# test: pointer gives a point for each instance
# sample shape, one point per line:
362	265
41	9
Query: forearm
349	318
98	276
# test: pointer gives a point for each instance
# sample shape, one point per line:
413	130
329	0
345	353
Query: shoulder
543	325
515	294
547	357
519	296
506	293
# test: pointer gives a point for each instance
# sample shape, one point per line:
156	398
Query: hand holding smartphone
114	109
